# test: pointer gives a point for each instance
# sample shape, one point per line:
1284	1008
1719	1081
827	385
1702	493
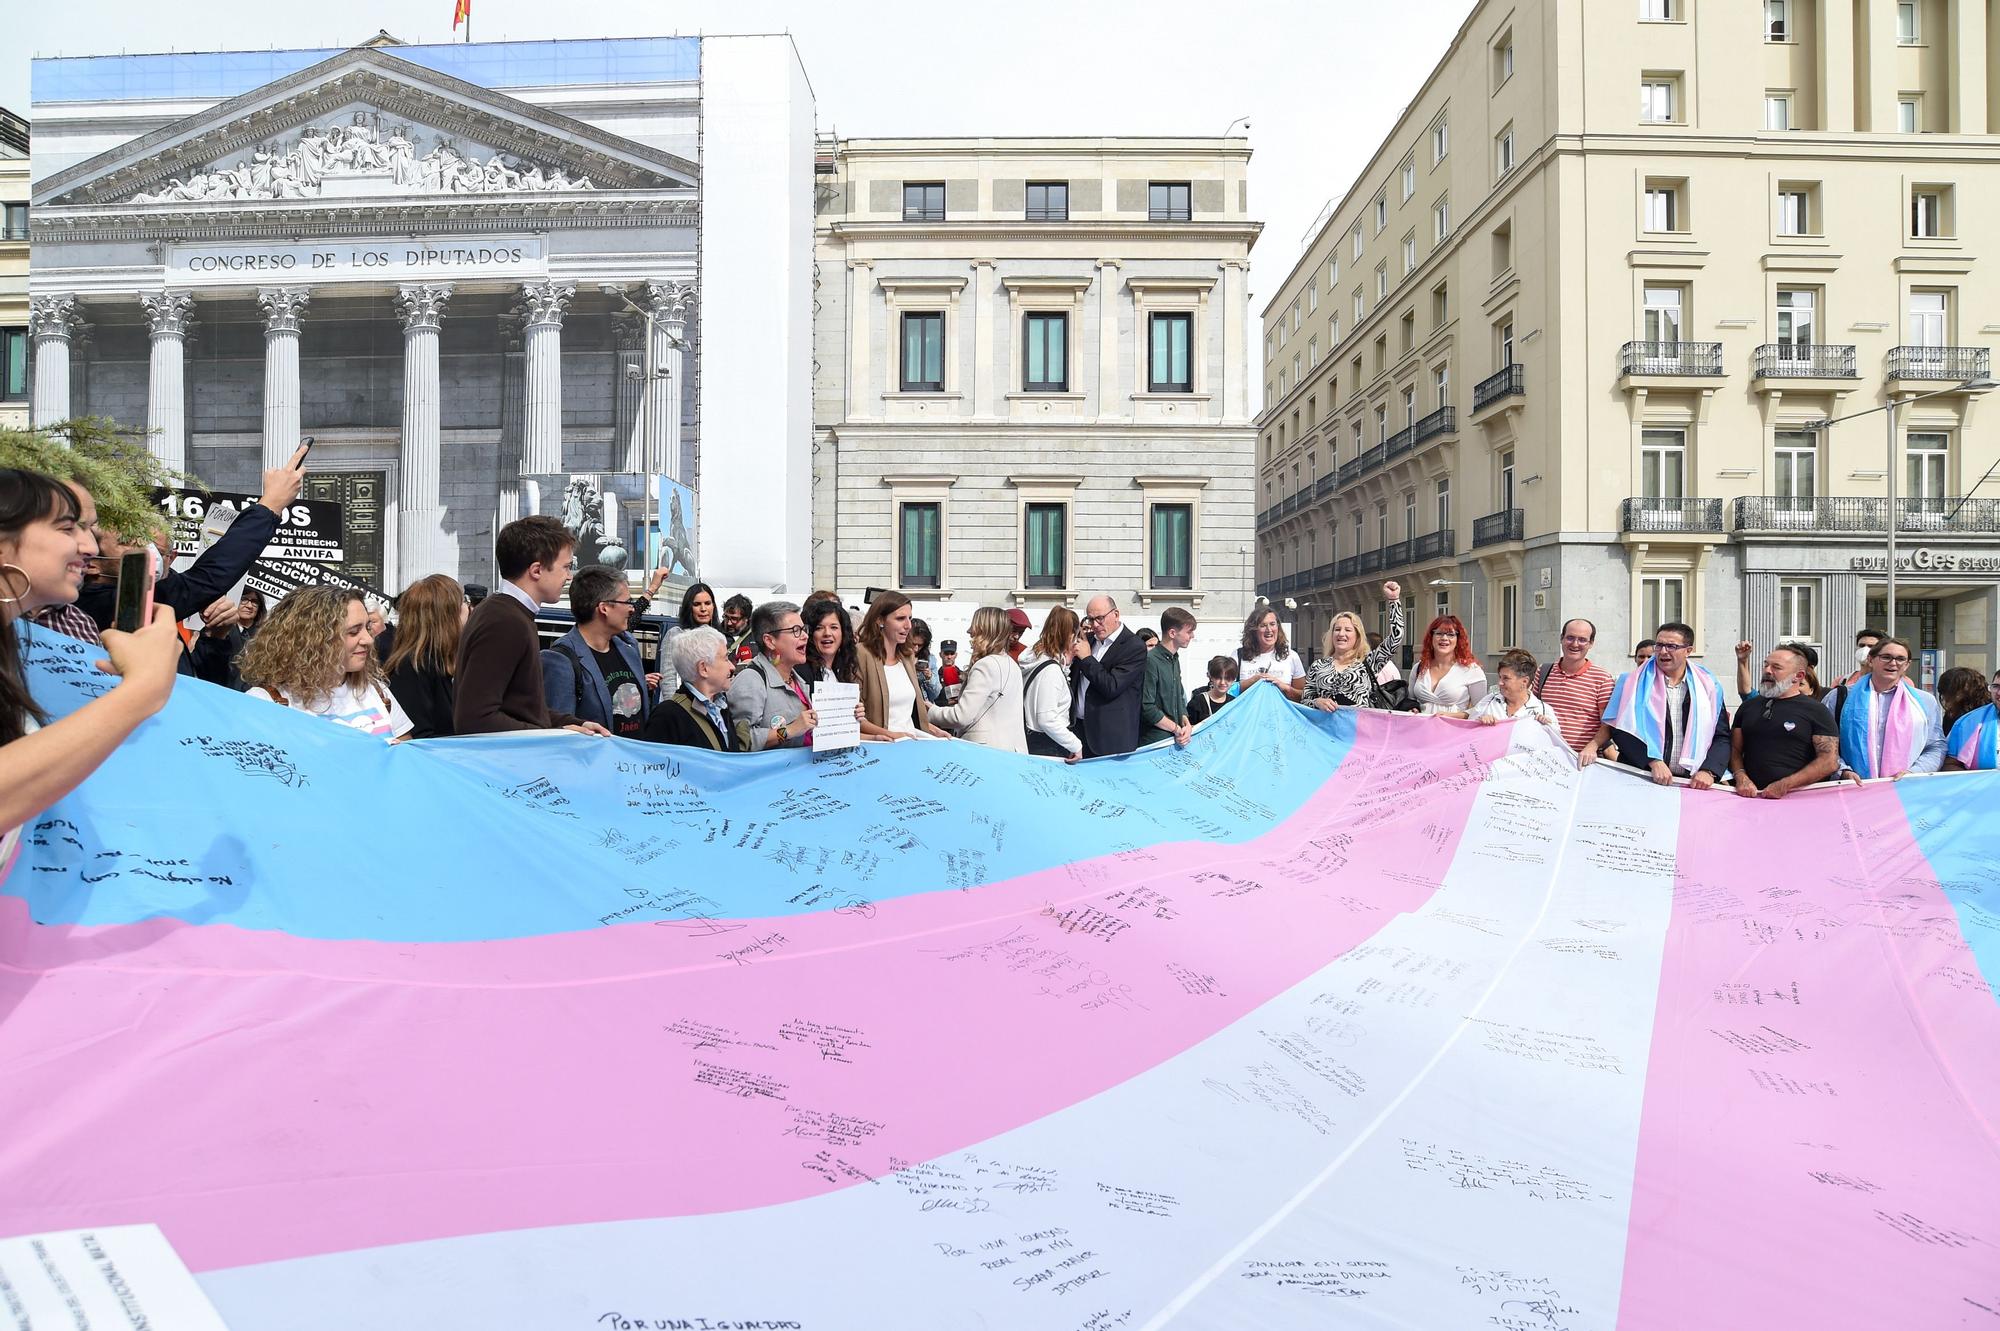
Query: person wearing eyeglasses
499	669
1783	738
768	696
1974	743
1576	689
1448	681
1108	670
1667	717
596	670
1888	726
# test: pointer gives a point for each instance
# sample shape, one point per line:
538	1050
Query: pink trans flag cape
1349	1019
1975	739
1894	747
1638	707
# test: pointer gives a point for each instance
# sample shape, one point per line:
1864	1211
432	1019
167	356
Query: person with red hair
1448	680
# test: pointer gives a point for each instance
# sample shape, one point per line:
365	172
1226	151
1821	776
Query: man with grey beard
1783	738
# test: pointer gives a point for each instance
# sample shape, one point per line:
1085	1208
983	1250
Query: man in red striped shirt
1576	690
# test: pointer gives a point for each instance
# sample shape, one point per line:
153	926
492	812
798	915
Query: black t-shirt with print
1778	735
626	690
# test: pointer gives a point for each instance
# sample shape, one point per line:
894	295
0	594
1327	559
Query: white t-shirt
1287	667
360	709
1495	705
900	717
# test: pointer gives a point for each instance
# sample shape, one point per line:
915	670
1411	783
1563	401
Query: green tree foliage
110	461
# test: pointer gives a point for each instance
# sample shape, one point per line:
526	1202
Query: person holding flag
1888	726
1666	717
1974	742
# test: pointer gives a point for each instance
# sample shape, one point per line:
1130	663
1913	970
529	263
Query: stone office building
446	265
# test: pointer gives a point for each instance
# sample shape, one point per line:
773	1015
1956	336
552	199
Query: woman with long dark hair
431	613
892	701
1960	689
829	644
697	611
44	552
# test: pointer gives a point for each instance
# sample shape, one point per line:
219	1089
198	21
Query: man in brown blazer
499	671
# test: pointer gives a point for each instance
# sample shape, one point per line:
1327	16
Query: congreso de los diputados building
467	272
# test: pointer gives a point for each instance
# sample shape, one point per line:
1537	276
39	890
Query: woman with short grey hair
696	715
767	695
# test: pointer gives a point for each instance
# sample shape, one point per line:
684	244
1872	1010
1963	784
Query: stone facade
1000	258
1605	314
14	176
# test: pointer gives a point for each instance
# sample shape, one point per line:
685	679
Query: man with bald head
1105	681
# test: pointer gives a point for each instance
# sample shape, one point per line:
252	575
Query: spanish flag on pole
462	14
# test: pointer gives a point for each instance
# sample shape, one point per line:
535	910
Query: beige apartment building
13	270
1566	345
1032	374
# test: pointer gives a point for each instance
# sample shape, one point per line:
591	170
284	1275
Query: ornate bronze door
361	495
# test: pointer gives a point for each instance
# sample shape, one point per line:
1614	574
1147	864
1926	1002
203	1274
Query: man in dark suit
499	674
1105	681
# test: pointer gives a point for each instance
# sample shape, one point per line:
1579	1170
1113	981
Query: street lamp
1976	384
646	376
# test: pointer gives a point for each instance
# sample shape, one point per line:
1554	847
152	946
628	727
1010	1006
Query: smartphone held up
137	572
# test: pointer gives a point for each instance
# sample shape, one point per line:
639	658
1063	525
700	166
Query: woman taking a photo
431	614
829	644
315	655
1447	681
1265	655
1345	676
1046	701
893	705
988	710
44	552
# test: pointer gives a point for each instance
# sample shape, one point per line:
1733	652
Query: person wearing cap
1017	620
950	678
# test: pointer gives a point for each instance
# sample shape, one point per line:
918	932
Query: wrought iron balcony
1347	569
1947	364
1395	554
1325	486
1442	421
1400	442
1497	527
1645	513
1370	561
1670	358
1320	576
1805	360
1267	517
1851	513
1436	545
1511	381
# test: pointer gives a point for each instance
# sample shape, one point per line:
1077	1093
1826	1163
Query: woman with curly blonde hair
988	710
315	655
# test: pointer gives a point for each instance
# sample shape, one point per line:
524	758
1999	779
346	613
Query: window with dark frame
1048	201
13	364
1047	544
923	351
1169	366
923	202
1045	353
16	222
1173	547
919	547
1168	201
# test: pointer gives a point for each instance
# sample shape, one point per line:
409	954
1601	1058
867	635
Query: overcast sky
1320	80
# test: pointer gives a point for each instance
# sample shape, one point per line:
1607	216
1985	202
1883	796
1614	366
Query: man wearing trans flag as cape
1974	744
1666	717
1888	726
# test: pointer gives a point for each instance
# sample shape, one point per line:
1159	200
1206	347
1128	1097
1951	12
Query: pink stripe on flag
264	1097
1807	1148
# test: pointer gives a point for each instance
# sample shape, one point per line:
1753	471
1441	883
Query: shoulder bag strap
1543	682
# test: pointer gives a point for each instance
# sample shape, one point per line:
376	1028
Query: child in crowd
1204	703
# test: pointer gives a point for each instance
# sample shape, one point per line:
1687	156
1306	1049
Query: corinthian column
52	322
542	306
422	546
166	378
283	308
628	451
671	305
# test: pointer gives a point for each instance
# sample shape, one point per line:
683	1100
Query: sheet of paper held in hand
118	1276
837	729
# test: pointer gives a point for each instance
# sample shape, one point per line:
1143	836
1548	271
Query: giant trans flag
1328	1020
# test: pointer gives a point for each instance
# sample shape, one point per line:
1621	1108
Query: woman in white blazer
1045	670
1447	680
988	710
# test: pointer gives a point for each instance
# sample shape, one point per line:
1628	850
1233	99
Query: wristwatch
781	731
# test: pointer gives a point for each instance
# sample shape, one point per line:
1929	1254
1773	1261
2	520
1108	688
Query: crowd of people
740	677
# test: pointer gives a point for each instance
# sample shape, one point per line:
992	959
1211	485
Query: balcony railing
1644	358
1437	545
1395	554
1851	513
1325	486
1441	421
1805	360
1648	513
1512	381
1497	527
1400	442
1347	569
1940	363
1369	561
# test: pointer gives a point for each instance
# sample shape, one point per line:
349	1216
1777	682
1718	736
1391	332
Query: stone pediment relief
365	124
363	153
